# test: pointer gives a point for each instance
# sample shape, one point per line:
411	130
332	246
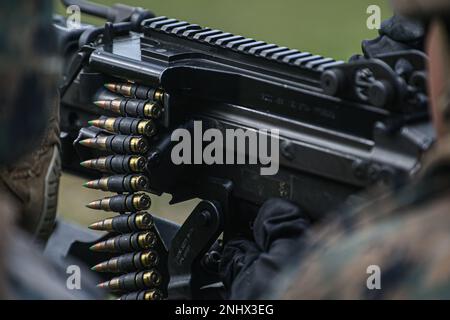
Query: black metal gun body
330	147
343	127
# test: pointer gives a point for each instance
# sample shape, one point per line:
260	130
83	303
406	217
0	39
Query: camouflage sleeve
395	248
29	117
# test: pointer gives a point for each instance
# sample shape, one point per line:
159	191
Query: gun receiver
340	141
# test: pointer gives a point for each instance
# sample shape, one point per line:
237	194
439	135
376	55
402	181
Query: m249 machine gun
130	84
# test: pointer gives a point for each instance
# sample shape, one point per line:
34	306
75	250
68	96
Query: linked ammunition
126	125
132	107
122	203
126	243
120	183
148	295
118	144
133	281
136	91
130	262
125	223
117	164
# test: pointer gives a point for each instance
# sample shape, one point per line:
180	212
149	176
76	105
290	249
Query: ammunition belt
137	265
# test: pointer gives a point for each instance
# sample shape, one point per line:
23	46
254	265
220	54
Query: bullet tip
85	142
100	104
91	122
84	164
96	247
91	205
100	267
110	86
94	226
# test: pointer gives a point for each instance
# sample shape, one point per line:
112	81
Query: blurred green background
328	27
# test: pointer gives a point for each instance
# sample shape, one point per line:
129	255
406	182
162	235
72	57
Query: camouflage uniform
29	151
421	8
29	120
406	234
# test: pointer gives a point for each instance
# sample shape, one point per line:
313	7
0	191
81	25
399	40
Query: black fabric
248	267
396	34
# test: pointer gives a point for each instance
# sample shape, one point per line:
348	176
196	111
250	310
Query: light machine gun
343	127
